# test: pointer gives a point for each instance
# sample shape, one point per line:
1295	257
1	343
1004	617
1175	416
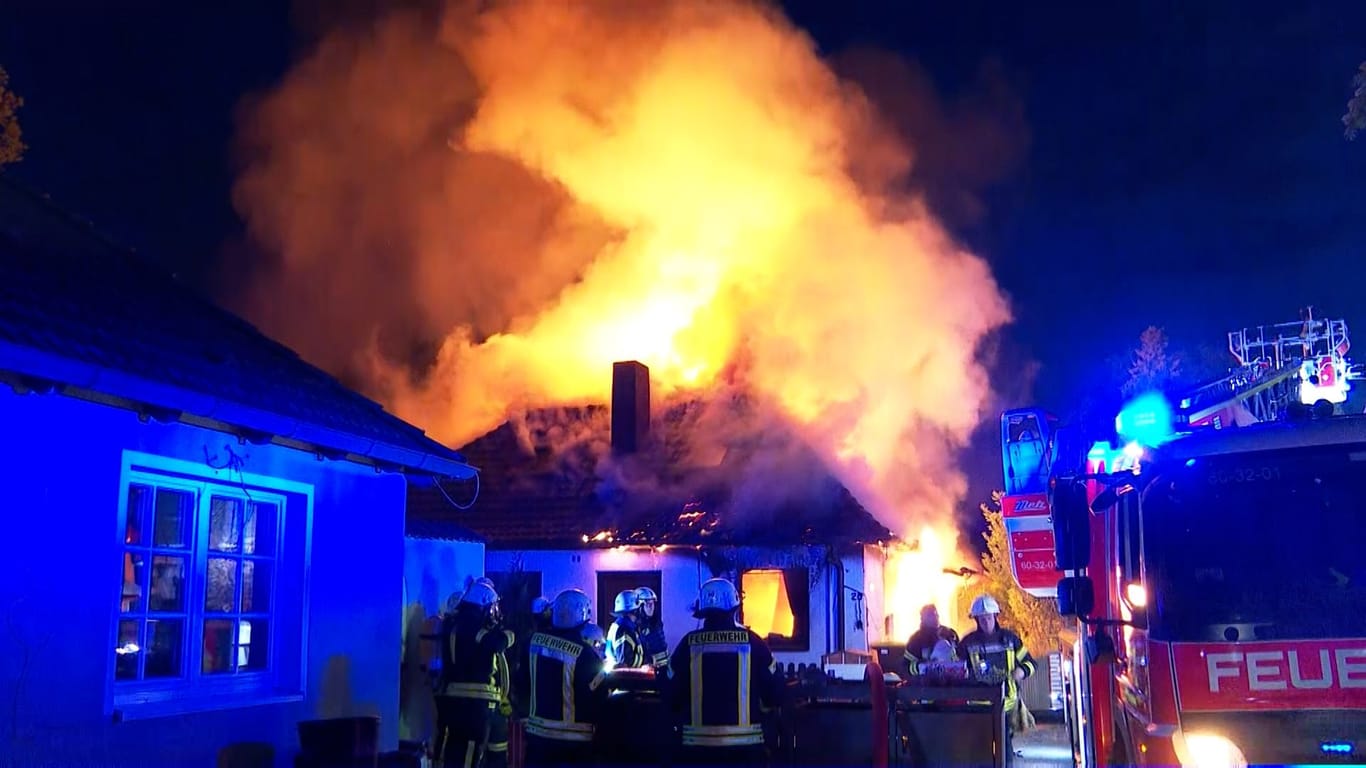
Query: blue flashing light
1190	462
1336	747
1147	420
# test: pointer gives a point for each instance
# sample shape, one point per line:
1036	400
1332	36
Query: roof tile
535	494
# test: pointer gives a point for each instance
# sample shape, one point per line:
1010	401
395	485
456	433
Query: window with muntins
211	598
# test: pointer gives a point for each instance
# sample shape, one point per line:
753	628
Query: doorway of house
612	582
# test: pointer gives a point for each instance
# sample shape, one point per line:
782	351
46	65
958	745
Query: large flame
915	575
553	187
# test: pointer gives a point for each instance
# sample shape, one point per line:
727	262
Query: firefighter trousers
463	741
555	753
496	755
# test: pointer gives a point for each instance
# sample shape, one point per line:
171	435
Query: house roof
81	316
548	481
440	530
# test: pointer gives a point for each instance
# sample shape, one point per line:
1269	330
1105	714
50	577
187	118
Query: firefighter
496	756
565	679
468	695
540	614
998	655
921	647
722	679
653	643
623	637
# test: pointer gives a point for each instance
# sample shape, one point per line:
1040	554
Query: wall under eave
433	569
875	600
60	461
682	572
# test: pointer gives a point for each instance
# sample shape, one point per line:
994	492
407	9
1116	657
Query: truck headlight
1210	750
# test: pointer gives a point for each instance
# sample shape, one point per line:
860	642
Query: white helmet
540	605
480	594
718	595
984	605
571	609
644	594
626	602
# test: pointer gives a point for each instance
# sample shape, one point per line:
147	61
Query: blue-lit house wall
331	612
435	567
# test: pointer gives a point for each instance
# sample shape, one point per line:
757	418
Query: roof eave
167	402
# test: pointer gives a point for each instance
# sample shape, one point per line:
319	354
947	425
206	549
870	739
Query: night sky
1183	163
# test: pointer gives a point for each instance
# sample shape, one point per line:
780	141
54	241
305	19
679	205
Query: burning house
606	499
206	534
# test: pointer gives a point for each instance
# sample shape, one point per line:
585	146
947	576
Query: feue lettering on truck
1212	577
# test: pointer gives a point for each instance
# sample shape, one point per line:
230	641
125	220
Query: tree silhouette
1152	365
11	138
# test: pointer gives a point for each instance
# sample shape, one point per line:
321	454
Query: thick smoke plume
538	189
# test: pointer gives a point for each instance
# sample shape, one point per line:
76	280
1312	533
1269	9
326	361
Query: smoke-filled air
535	190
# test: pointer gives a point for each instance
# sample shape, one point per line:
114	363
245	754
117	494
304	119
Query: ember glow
548	188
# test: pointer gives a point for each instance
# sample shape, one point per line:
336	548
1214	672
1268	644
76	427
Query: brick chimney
630	406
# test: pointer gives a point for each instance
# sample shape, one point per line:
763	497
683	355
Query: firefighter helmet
626	602
540	605
480	594
645	594
571	609
718	595
984	605
593	637
453	601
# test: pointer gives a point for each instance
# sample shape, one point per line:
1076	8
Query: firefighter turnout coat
654	645
623	644
565	685
995	657
723	677
922	643
468	666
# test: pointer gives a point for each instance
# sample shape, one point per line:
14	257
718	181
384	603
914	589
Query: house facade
207	535
604	500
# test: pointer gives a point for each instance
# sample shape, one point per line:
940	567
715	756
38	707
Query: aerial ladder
1302	363
1281	369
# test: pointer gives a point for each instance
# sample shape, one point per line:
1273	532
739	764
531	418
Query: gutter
27	369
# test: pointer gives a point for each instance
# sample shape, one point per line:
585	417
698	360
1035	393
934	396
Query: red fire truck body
1213	583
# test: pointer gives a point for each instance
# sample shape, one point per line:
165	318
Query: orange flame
719	195
915	577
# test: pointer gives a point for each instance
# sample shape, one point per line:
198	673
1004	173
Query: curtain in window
768	603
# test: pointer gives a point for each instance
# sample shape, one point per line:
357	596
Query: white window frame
196	692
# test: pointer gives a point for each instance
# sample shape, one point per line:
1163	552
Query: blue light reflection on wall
62	459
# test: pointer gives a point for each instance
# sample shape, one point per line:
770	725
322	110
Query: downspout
838	567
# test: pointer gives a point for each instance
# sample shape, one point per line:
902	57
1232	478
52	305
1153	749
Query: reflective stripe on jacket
994	657
564	686
724	677
623	644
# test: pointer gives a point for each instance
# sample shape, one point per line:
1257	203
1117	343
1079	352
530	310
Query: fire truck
1208	562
